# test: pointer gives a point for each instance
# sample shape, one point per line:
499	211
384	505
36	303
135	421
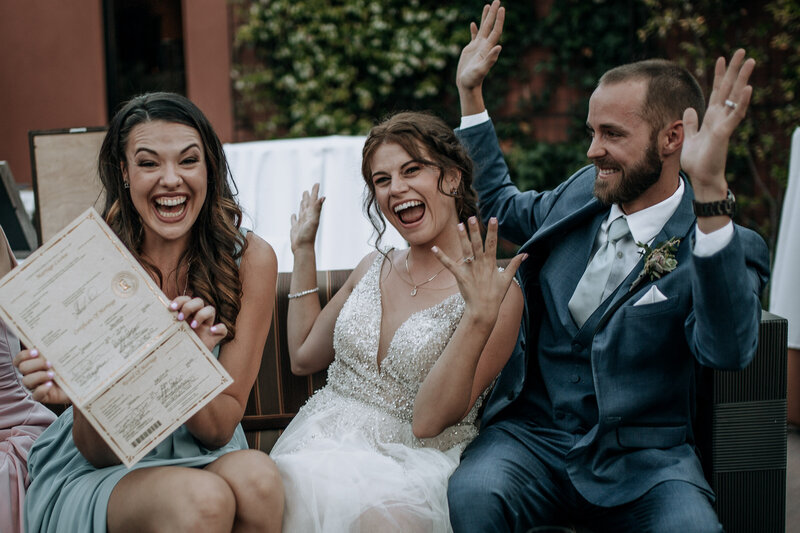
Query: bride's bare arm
309	327
482	342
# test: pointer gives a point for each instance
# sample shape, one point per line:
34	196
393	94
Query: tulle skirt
351	467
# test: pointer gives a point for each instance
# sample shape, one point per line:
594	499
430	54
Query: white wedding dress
349	460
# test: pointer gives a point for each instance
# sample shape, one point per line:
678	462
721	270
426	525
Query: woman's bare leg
171	498
257	488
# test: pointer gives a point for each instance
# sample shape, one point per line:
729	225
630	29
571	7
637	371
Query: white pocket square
652	296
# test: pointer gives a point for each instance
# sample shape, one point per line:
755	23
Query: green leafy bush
335	67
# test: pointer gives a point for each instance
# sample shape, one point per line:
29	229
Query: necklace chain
418	285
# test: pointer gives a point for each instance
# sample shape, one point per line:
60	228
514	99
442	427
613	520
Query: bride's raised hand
38	376
200	318
305	223
483	286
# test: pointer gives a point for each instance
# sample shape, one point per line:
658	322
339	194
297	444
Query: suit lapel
563	226
681	221
574	235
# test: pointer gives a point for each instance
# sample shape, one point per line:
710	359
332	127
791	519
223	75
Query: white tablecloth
785	288
271	177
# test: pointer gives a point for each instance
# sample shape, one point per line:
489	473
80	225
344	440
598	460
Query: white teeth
607	171
171	201
406	205
170	214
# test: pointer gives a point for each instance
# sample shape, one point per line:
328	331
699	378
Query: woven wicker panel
277	393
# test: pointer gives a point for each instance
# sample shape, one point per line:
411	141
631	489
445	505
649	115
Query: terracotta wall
52	69
207	51
52	72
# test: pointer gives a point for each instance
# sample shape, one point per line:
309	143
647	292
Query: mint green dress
67	494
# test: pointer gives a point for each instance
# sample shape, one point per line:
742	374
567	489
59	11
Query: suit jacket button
575	378
559	414
577	347
510	395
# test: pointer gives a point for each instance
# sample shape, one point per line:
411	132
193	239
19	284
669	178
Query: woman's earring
454	190
126	184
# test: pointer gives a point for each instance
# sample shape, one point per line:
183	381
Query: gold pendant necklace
418	285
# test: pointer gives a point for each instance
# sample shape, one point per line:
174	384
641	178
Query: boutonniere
658	261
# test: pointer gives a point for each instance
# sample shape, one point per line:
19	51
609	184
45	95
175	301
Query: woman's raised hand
481	283
306	221
37	375
200	318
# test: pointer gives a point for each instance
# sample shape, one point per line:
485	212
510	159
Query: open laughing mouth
170	207
410	212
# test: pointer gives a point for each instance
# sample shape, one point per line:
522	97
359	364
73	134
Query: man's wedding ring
469	259
731	104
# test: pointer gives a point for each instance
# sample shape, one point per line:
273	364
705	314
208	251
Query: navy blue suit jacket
642	357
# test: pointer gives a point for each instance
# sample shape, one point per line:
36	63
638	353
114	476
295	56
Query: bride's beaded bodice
412	352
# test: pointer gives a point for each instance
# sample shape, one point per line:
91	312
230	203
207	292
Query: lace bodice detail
411	354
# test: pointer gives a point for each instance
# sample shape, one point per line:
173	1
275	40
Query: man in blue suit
591	420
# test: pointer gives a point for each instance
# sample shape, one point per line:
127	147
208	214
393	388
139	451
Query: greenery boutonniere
658	261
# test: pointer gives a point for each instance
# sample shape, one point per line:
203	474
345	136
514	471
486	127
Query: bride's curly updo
428	140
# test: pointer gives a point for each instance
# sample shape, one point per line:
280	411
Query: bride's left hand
483	286
200	318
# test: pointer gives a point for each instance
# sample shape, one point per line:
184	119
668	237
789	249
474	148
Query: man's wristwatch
713	209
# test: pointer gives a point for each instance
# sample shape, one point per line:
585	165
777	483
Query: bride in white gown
414	338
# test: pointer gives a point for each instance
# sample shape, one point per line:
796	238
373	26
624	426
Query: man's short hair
671	89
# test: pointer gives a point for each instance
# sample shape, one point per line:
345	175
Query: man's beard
632	183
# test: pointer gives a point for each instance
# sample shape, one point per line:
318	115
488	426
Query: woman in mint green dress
168	199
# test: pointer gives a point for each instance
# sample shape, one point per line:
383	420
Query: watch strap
718	208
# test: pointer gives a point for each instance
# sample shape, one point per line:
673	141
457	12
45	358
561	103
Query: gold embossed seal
124	284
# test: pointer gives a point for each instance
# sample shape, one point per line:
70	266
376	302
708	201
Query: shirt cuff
707	244
473	120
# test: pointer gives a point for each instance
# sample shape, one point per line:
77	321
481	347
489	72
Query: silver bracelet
302	293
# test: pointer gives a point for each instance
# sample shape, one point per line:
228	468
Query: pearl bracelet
302	293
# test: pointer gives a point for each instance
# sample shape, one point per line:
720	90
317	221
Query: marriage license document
133	369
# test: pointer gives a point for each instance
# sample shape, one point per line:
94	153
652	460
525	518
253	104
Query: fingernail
193	324
493	220
213	329
435	249
524	257
180	316
48	384
173	305
34	353
473	220
48	365
460	226
51	375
